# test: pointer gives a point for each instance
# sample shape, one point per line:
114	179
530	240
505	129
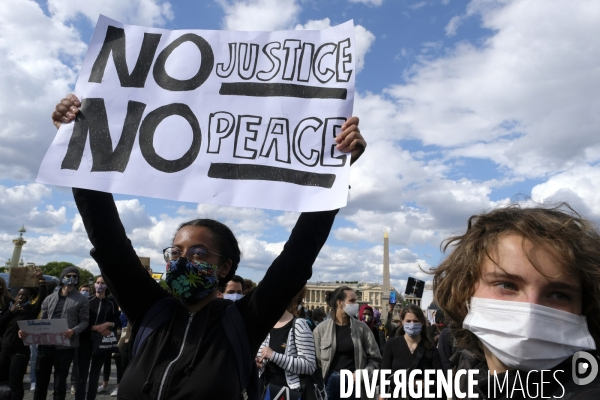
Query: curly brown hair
574	240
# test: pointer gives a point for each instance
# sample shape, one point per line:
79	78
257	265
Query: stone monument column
19	242
385	296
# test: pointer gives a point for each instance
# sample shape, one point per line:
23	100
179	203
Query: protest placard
223	117
23	277
45	331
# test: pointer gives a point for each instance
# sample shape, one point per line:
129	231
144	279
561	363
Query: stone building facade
367	293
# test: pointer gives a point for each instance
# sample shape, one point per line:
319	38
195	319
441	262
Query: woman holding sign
199	346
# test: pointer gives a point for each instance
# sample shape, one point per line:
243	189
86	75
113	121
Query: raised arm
262	307
115	255
293	268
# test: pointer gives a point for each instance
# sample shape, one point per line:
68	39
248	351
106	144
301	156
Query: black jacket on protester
190	357
9	327
101	311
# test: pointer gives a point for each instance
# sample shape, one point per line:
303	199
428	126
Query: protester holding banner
520	288
344	343
72	306
411	348
203	253
15	354
287	352
104	320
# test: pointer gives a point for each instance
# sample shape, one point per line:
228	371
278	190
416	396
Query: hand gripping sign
231	118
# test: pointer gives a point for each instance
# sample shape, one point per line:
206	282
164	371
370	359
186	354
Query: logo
584	363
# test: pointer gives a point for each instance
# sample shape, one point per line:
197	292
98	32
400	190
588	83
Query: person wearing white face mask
342	342
234	290
520	289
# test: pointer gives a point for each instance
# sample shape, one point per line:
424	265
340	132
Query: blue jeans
332	387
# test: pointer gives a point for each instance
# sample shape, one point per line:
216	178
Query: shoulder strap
420	353
235	329
156	316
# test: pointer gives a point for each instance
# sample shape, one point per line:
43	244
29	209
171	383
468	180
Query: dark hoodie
371	323
9	328
190	357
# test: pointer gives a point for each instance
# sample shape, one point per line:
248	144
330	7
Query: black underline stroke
257	89
268	173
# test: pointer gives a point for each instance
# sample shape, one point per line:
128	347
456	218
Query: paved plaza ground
112	383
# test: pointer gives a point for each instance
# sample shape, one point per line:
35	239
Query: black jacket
9	328
190	357
101	311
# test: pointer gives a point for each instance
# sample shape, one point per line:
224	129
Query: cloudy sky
466	106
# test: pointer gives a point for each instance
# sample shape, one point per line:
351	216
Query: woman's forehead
515	255
194	236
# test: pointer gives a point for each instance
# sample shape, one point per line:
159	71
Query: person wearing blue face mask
411	348
72	306
104	319
234	290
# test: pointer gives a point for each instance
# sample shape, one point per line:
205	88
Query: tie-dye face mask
191	281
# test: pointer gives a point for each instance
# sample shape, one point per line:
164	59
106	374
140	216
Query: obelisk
19	242
385	298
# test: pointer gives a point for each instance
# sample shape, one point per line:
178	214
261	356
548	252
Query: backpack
463	359
235	330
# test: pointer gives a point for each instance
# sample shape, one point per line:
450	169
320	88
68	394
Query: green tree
54	268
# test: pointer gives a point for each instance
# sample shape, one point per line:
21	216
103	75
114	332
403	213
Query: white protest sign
232	118
45	331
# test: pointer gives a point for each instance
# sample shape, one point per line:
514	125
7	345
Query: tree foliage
54	268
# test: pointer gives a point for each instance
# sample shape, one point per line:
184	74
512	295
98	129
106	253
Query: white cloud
36	54
39	61
364	38
133	214
577	186
351	264
136	12
527	99
416	6
453	25
21	205
373	3
259	15
90	265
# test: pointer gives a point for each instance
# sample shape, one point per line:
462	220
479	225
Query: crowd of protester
519	291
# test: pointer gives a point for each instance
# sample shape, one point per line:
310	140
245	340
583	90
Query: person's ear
224	269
